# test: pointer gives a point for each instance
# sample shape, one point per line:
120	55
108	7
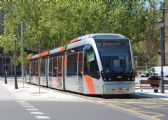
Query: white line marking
25	104
42	117
21	101
32	109
28	106
38	113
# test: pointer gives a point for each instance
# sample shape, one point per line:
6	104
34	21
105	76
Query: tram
94	64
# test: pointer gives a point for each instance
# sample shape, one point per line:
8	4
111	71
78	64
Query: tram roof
61	49
56	50
99	36
104	35
35	56
29	57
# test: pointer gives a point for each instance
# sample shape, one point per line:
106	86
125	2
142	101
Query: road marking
25	104
22	101
136	108
42	117
142	115
158	106
157	116
38	113
32	109
29	106
132	102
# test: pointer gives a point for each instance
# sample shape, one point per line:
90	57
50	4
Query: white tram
94	64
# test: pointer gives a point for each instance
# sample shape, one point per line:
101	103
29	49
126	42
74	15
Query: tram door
28	72
71	72
59	72
32	72
73	80
80	71
43	72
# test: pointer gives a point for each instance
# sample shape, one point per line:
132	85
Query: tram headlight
133	72
106	75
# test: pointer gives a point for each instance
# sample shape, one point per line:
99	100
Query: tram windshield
115	55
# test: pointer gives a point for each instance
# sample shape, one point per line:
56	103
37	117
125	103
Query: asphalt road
61	106
16	107
152	108
11	110
52	110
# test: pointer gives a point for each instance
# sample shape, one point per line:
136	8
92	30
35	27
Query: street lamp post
162	54
5	65
16	85
22	50
163	8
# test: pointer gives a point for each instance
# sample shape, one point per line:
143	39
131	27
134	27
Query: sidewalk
31	92
150	92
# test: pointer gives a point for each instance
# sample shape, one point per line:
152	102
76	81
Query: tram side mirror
96	75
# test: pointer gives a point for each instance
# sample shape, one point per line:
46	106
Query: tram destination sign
110	43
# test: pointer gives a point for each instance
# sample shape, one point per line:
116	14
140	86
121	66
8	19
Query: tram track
147	108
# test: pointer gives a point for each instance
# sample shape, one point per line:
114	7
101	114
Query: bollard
155	90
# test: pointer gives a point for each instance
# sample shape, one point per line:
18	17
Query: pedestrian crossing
33	110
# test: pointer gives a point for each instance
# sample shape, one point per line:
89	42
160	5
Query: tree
55	23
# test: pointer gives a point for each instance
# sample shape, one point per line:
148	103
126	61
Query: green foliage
49	24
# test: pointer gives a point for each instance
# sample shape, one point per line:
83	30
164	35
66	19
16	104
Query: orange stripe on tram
45	53
90	85
62	49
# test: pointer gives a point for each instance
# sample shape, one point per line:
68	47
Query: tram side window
91	66
80	64
27	68
72	64
55	67
60	66
50	66
42	66
32	68
35	68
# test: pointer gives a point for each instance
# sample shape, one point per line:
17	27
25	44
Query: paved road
11	110
54	110
26	104
14	105
153	108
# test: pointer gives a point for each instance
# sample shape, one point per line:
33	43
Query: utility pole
16	84
161	55
163	20
22	50
5	65
39	66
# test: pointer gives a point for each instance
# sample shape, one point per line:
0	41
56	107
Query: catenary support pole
22	50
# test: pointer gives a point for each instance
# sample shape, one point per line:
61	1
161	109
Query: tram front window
116	64
115	56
